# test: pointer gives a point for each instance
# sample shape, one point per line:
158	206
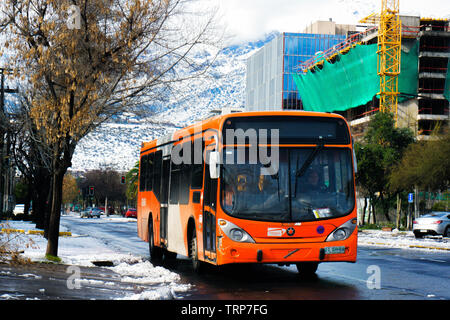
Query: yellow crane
389	53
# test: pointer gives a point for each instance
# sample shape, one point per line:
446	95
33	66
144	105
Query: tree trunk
40	193
364	211
61	162
48	209
374	215
399	209
385	206
55	214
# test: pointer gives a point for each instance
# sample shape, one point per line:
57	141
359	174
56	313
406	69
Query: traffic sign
410	197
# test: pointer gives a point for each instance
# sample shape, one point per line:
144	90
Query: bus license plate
334	250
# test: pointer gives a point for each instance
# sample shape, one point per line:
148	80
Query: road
380	273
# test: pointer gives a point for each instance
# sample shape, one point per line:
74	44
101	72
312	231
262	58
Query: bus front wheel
196	263
307	269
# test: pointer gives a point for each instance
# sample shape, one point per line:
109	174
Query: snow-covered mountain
116	144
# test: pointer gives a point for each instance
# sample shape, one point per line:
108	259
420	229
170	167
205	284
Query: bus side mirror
214	161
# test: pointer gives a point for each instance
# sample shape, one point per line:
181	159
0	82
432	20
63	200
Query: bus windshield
311	184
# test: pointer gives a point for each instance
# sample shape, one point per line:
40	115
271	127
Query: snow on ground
403	240
82	250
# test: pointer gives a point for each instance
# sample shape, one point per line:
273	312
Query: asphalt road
380	273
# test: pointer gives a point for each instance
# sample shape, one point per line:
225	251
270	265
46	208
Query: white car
19	209
434	223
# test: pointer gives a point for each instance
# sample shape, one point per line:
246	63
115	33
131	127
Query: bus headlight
343	232
234	232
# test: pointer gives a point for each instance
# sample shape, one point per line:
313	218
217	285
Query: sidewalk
125	276
402	240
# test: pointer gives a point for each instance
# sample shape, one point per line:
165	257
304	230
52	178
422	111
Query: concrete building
330	27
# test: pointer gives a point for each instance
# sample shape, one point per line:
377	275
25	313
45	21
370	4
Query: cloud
248	20
251	19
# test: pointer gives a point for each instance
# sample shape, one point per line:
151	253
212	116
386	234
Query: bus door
164	209
209	215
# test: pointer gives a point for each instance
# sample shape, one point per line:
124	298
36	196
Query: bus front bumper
285	253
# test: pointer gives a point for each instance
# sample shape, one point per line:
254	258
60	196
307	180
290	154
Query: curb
38	232
7	230
426	247
408	246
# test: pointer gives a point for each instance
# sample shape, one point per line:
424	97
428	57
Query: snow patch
145	273
156	283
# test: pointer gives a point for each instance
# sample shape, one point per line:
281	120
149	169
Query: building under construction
422	92
344	75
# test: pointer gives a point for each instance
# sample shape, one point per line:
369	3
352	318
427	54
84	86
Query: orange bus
251	187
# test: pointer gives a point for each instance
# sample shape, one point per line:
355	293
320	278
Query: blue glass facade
299	48
270	84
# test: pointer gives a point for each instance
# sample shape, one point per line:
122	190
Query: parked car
110	209
96	212
85	213
131	213
91	212
19	209
434	223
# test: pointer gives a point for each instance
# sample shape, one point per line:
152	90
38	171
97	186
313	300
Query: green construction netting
447	82
352	80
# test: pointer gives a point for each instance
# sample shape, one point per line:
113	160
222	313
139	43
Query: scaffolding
389	53
389	56
333	52
352	79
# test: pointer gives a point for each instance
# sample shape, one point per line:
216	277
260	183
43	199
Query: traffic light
122	181
91	191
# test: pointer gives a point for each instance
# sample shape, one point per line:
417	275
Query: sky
248	20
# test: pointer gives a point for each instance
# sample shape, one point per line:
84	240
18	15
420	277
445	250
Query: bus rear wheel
156	253
307	269
169	255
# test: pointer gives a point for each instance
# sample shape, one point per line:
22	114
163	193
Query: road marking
400	246
433	260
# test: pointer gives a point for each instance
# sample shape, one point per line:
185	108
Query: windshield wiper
309	160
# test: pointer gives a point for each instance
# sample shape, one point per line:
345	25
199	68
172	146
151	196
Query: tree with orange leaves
80	62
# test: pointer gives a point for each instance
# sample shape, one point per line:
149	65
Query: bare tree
88	60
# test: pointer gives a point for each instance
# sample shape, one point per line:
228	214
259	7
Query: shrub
12	243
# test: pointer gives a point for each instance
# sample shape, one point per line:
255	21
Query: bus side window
197	172
149	175
210	189
157	174
185	175
175	175
143	173
165	180
197	176
185	179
